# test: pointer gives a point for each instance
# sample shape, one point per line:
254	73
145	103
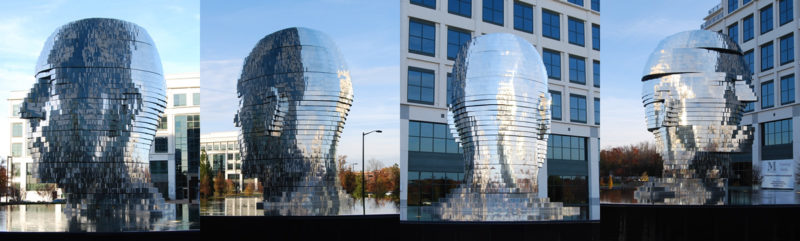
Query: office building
765	32
222	149
175	155
566	33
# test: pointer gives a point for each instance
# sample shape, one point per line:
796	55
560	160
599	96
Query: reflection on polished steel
294	97
695	86
500	112
93	113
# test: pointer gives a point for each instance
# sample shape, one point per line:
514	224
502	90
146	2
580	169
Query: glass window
577	108
421	37
767	95
576	2
455	39
596	5
749	107
787	89
595	37
449	87
575	29
16	130
16	149
569	190
230	156
237	156
159	167
766	19
431	137
560	147
749	59
179	100
196	99
161	144
785	9
745	2
523	17
733	5
425	3
596	73
733	32
420	85
493	11
551	25
747	28
787	49
555	105
15	110
460	7
767	56
776	132
552	63
596	111
162	123
577	69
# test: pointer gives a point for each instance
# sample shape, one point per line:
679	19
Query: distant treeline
631	160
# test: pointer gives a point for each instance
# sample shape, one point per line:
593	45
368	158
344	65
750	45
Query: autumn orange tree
219	184
631	160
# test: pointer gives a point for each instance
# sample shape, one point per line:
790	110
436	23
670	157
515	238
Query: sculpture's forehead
695	52
293	50
100	42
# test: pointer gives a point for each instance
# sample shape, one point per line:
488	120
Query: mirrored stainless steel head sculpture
500	110
695	86
294	97
93	113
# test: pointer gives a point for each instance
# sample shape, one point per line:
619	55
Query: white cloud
651	28
17	39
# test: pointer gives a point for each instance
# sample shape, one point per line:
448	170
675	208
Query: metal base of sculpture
308	201
464	204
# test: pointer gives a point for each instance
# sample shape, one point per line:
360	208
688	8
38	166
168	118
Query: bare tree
341	161
374	165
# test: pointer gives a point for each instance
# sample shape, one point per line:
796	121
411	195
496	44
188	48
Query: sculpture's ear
744	92
277	106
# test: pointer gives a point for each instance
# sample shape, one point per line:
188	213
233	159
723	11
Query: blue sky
25	25
630	31
367	33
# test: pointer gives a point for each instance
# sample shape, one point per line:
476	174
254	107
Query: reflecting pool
248	206
51	218
737	195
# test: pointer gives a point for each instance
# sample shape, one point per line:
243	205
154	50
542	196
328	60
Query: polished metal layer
695	86
294	97
93	113
500	110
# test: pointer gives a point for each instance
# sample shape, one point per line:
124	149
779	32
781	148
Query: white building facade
767	34
175	155
566	33
222	149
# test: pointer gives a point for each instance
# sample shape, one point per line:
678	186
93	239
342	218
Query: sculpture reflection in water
500	111
294	97
93	113
695	86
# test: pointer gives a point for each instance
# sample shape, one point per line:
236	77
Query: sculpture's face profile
695	85
500	109
95	106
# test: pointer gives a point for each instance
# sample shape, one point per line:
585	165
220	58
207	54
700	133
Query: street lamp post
363	174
